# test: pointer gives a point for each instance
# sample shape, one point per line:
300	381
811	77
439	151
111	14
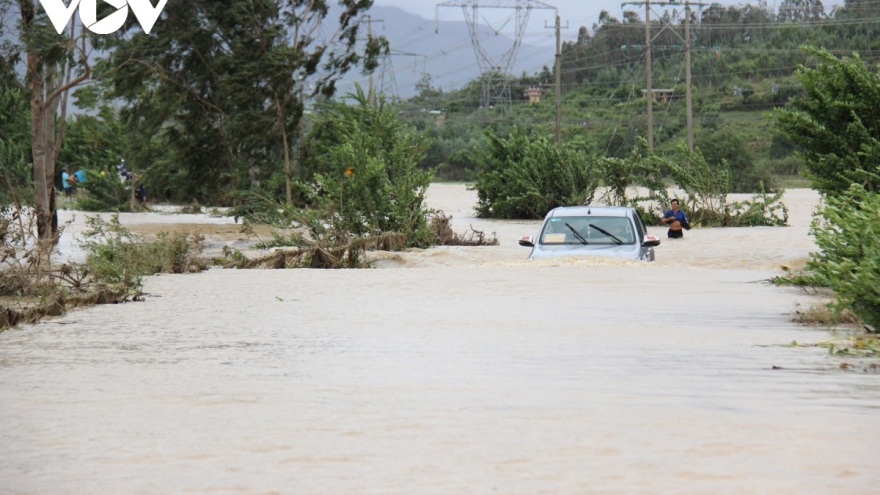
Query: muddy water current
451	370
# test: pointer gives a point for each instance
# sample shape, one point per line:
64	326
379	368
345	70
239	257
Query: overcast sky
576	12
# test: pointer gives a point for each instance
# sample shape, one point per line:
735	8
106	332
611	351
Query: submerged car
614	231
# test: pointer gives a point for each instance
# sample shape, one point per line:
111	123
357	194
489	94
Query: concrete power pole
650	92
686	41
558	81
687	74
372	95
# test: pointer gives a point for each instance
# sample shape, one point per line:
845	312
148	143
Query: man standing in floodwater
676	220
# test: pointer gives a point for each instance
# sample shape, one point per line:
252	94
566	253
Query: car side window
643	231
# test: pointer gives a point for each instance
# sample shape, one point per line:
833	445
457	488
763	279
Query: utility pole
558	80
372	94
650	91
686	40
687	74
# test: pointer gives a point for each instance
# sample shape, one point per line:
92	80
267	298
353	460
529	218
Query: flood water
451	370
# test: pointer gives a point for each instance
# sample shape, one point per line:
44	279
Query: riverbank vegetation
838	128
33	286
524	178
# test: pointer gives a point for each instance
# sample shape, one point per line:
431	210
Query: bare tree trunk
38	148
287	170
50	109
46	90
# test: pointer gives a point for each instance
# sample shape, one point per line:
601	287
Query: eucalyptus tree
223	83
52	63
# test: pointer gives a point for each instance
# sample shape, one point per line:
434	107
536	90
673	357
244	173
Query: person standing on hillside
676	219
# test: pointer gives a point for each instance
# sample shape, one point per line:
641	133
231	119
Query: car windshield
592	230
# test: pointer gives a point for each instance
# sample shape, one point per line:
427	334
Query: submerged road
449	375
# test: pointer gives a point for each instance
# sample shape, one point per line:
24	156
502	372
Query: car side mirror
651	241
527	241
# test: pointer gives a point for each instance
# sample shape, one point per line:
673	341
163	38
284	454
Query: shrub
103	191
520	177
114	255
849	260
745	175
364	179
705	199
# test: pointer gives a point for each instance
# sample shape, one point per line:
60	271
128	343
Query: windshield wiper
609	234
577	234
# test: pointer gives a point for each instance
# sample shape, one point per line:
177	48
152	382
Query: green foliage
16	185
638	169
726	146
103	191
222	84
114	255
705	195
313	242
848	236
16	170
93	142
836	125
366	176
523	177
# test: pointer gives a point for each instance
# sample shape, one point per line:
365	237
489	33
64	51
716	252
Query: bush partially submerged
117	256
311	254
524	177
705	195
848	236
34	287
441	226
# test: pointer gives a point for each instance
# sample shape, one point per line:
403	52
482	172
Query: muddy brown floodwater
451	370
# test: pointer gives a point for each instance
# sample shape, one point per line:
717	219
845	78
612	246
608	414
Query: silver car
613	231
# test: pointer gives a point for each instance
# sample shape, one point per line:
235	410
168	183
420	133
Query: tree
364	161
223	82
49	59
523	177
837	125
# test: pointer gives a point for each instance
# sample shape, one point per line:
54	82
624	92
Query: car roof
582	211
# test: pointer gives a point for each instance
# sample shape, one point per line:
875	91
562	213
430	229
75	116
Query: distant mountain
447	55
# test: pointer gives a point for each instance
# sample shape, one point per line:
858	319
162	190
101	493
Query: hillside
744	62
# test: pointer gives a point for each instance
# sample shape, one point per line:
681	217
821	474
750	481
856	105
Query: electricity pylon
496	73
387	77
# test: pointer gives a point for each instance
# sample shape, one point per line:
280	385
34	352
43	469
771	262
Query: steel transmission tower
388	80
495	72
387	77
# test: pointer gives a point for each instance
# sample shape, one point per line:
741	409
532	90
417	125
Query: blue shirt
64	177
679	215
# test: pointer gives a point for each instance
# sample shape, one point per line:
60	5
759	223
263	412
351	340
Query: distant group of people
70	181
140	192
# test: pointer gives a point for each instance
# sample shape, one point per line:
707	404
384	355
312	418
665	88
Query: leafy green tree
523	177
836	125
16	169
364	162
849	260
223	82
726	146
